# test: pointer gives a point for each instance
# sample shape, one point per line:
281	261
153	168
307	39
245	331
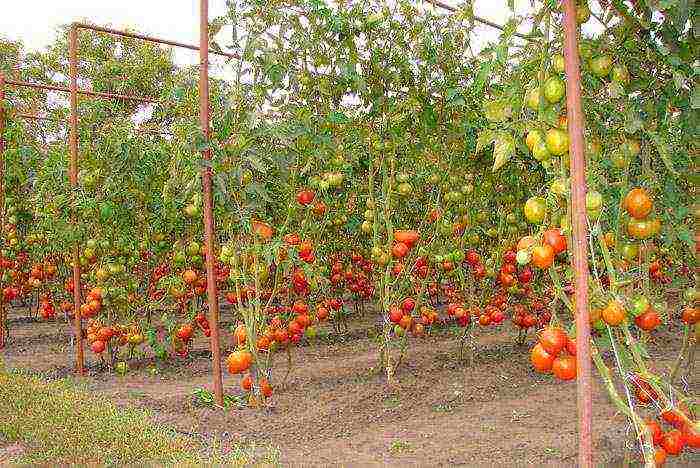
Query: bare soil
336	410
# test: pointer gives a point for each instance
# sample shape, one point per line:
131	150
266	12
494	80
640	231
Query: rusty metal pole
73	176
579	232
204	109
2	203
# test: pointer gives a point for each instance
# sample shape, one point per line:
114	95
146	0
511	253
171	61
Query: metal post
579	231
143	37
2	202
204	109
63	89
73	175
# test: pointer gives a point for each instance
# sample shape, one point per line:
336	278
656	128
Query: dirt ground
335	411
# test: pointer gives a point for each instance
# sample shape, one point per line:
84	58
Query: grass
400	446
59	423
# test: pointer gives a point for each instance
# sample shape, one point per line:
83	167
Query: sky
35	21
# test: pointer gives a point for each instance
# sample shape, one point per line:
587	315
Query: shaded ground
335	410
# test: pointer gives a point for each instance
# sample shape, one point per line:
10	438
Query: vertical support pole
2	204
204	109
73	176
579	231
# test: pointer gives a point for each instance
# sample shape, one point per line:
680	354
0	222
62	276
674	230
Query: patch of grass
400	446
443	408
554	452
57	423
392	401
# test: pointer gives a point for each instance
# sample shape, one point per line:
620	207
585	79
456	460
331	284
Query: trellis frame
204	117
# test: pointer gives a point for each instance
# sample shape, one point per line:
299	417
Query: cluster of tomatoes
41	272
15	280
92	305
305	249
356	280
239	362
46	308
401	316
555	353
99	336
683	434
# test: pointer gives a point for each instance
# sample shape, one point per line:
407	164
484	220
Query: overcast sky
35	21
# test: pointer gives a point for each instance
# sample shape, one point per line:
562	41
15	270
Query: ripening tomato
564	367
553	340
98	346
509	258
637	203
555	239
541	360
543	256
472	257
526	242
673	442
321	313
395	314
265	388
239	361
614	313
399	250
408	237
659	457
690	315
305	197
247	383
648	321
641	228
655	430
691	434
525	276
408	305
239	335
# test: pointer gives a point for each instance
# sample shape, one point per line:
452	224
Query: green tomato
691	295
121	368
540	151
559	187
523	257
601	66
193	248
532	98
640	305
620	74
583	14
557	141
558	63
535	209
594	200
629	251
554	89
405	189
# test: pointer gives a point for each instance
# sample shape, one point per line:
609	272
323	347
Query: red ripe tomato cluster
555	353
474	261
355	279
683	434
46	307
305	197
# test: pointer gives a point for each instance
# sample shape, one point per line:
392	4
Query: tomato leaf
485	138
503	150
663	150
